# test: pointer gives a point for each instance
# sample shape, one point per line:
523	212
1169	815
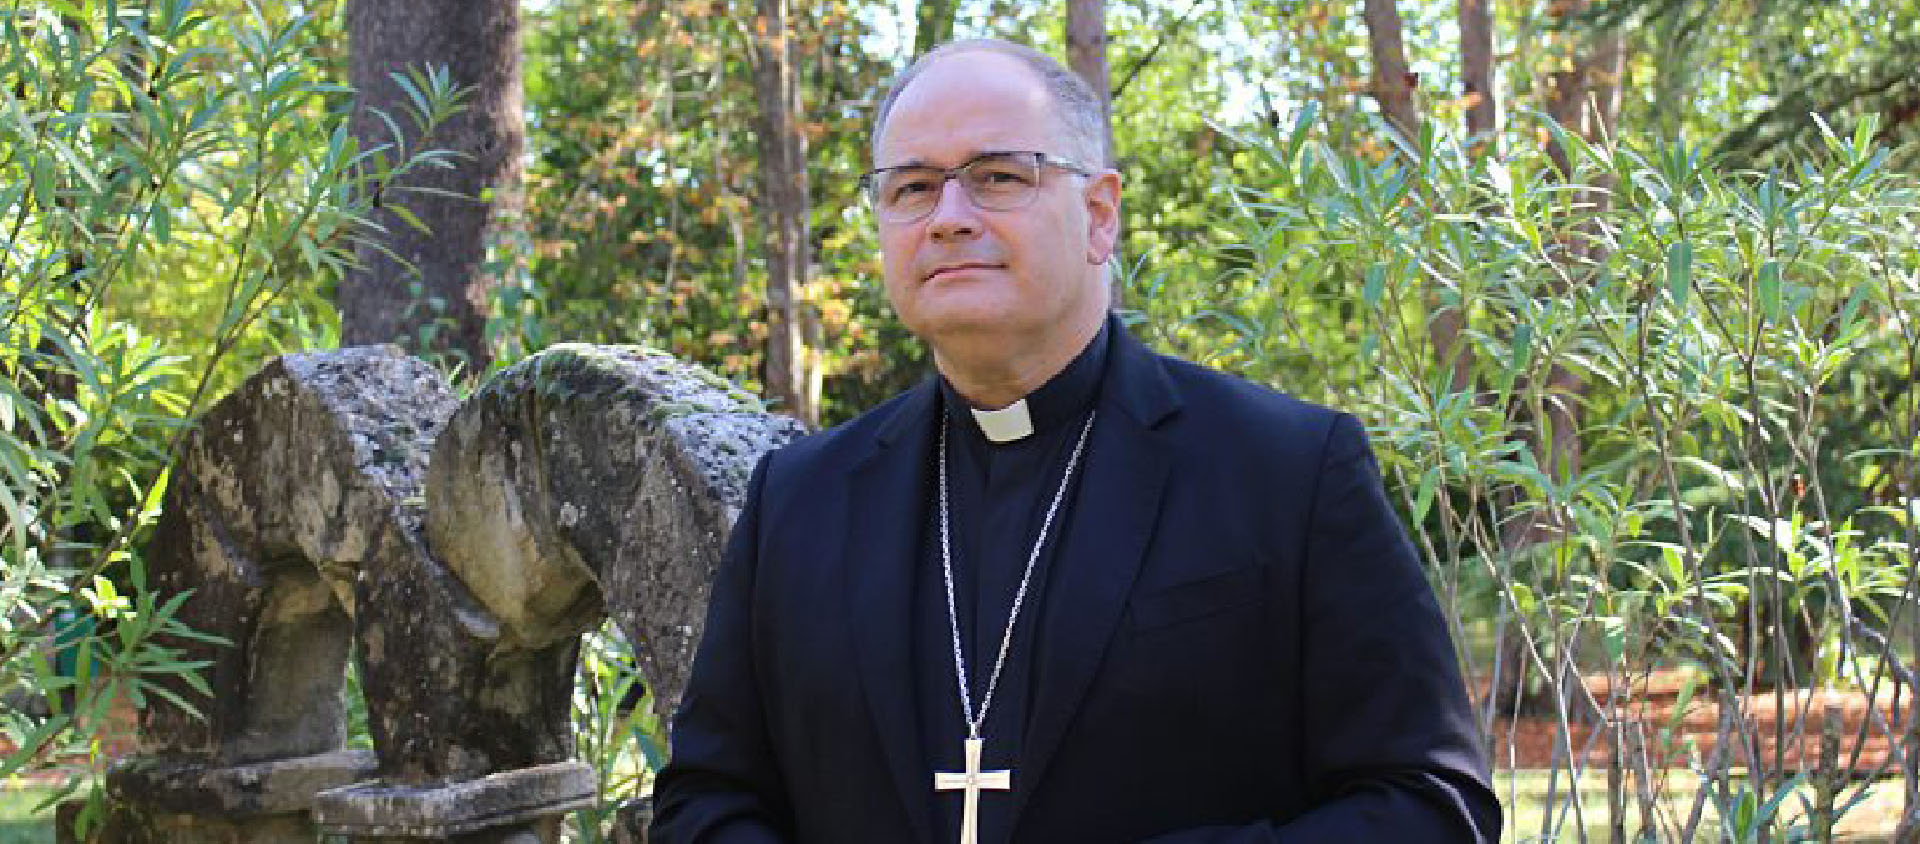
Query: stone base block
160	800
528	800
126	825
275	786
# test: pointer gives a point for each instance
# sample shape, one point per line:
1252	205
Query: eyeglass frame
1041	160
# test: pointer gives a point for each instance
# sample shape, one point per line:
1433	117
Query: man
1069	590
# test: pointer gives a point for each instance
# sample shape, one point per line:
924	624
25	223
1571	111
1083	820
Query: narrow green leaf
1680	271
30	745
161	216
1423	500
1767	290
1851	310
1520	354
170	696
412	220
1376	285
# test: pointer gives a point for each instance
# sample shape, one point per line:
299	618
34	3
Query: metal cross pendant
971	782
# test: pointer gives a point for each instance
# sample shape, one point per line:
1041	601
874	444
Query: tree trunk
933	25
1393	79
1598	89
783	178
1476	68
1584	100
434	298
1476	73
1585	97
1087	55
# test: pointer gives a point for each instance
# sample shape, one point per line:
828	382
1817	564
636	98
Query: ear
1103	215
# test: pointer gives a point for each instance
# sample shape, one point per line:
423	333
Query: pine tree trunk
783	181
434	299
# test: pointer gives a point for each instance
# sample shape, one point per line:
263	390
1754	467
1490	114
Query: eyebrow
921	162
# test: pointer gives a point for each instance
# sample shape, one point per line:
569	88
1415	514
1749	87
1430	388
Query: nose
953	216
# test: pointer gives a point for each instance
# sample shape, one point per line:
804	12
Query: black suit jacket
1241	645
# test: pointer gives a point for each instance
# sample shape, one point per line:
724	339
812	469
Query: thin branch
1141	63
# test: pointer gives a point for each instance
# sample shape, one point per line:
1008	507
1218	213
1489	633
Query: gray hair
1079	111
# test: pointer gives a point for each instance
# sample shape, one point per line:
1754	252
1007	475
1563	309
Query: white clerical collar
1006	424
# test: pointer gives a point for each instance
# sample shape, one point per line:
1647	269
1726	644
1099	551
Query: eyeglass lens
993	182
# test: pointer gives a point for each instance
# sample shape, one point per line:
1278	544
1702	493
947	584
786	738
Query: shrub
166	165
1684	432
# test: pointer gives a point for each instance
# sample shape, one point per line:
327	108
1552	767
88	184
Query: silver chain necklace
976	721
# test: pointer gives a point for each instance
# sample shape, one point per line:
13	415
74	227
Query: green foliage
175	184
643	194
1771	66
614	728
1730	356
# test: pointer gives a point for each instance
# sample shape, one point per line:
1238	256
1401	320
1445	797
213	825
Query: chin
973	309
963	319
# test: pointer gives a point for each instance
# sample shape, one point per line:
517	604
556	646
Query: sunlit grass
1524	795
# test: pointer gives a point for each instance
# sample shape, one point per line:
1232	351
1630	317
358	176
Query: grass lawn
1524	793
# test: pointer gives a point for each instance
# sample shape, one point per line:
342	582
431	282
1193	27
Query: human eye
1001	172
904	184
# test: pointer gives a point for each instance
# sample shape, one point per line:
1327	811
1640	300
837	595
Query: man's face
963	270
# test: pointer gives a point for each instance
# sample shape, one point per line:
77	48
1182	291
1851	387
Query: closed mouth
959	267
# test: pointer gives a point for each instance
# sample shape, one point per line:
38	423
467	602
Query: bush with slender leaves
1683	434
176	180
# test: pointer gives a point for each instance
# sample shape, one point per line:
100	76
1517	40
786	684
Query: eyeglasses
995	181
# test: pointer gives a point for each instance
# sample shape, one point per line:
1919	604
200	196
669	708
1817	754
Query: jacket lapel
1105	544
879	560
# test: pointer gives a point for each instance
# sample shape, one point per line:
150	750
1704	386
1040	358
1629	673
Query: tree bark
1087	55
1476	68
1476	73
1393	79
933	25
434	298
783	176
1585	100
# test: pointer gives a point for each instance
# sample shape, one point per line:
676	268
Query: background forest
1627	291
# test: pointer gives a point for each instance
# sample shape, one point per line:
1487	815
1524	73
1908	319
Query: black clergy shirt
999	493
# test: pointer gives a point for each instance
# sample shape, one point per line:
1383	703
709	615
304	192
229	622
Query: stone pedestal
127	825
524	805
186	802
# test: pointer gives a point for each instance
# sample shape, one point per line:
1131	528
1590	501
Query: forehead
967	104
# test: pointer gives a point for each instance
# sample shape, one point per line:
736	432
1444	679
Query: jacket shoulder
1245	414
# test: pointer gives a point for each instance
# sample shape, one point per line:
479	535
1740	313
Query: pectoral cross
972	781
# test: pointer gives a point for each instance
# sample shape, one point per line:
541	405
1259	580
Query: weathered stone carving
589	466
307	475
582	480
306	515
